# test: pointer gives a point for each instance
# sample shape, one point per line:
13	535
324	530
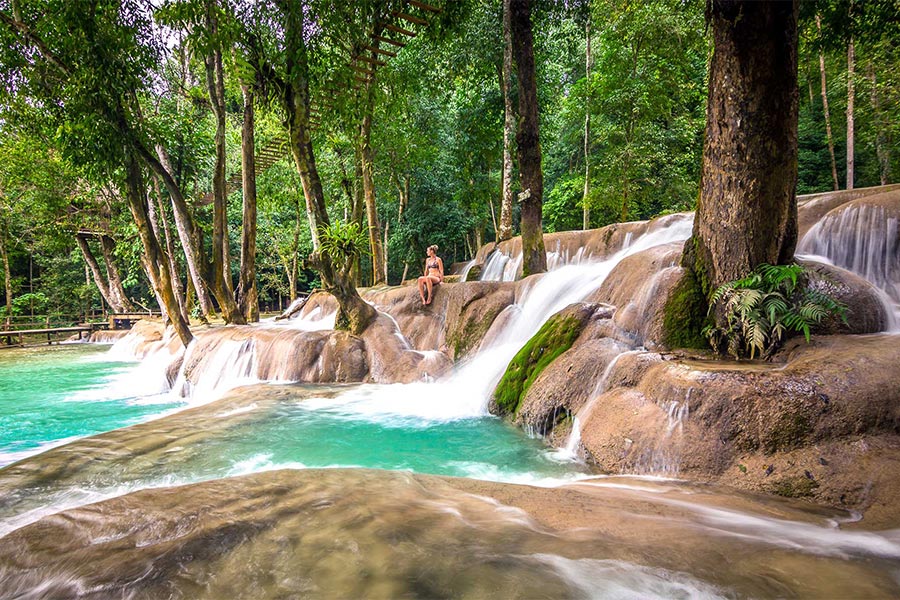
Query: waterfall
862	238
464	270
501	267
465	393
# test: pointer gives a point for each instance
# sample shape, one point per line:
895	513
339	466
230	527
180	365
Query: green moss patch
794	487
555	337
685	314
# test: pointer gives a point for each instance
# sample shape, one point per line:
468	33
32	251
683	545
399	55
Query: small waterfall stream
864	239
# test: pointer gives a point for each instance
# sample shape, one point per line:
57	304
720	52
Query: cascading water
465	393
864	239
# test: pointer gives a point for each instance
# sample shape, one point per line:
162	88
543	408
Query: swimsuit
433	265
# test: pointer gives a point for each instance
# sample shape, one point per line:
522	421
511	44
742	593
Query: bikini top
433	265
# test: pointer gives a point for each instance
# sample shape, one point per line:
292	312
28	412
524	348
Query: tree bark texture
247	295
534	258
184	223
509	131
851	114
747	212
177	286
155	260
828	135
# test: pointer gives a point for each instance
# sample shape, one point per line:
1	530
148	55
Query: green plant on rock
762	310
555	337
343	243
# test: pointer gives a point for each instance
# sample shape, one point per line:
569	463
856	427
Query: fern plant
765	308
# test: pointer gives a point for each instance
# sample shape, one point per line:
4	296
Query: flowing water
49	396
298	491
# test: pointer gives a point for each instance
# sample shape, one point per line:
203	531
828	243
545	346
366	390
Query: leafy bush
765	308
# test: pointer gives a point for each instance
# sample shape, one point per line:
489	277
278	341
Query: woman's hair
433	247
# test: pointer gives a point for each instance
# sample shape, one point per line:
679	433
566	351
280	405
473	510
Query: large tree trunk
851	115
534	258
829	136
220	278
354	314
586	213
155	261
116	290
247	295
509	131
99	279
747	212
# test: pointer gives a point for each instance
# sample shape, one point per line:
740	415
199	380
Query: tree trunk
509	131
156	263
358	209
851	116
7	276
184	223
177	286
99	280
834	175
220	279
354	314
586	215
534	258
116	290
882	141
247	294
747	212
368	181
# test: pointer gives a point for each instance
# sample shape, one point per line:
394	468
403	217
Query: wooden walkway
16	337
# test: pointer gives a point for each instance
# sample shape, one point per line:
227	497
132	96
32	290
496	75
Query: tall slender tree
534	257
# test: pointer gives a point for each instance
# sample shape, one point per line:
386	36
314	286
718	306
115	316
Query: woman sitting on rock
434	275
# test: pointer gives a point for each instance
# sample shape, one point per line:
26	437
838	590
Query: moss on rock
555	337
797	486
685	314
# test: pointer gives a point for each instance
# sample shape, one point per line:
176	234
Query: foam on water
614	579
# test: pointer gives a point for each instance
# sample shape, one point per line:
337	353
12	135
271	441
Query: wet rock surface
376	534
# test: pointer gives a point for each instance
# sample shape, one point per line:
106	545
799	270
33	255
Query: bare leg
429	285
421	282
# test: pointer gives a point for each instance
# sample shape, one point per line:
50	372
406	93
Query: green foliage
344	243
764	308
685	314
555	337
